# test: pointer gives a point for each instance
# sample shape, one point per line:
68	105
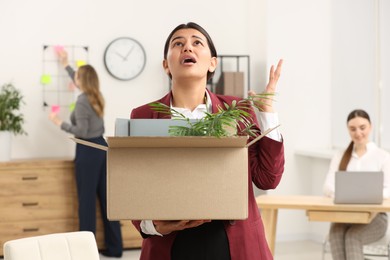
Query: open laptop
364	187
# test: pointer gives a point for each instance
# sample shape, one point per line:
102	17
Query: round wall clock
124	58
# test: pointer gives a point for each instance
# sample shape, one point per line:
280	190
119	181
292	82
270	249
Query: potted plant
222	123
11	121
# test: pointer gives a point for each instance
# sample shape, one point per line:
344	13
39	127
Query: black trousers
205	242
91	182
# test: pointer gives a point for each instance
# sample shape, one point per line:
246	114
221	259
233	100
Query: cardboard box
176	178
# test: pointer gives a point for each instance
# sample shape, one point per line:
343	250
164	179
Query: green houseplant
11	121
10	102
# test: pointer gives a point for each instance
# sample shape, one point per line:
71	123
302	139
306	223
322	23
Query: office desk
318	208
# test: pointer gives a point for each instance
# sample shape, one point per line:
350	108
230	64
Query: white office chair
380	248
79	245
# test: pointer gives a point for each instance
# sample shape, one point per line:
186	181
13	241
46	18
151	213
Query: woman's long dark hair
348	152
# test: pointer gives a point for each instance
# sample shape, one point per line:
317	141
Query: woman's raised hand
265	104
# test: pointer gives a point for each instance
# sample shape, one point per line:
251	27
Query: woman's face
359	129
189	55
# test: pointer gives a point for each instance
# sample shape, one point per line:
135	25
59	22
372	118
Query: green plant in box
219	124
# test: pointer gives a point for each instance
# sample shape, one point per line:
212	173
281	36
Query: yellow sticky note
71	107
45	79
80	63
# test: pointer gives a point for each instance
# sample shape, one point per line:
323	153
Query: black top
205	242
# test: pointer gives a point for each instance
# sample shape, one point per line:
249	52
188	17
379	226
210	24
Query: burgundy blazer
246	237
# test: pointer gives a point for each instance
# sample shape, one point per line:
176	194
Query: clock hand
120	55
128	53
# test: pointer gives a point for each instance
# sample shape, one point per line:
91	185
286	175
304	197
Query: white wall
27	26
297	31
353	64
384	59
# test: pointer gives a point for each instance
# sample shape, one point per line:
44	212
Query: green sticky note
71	107
45	79
80	63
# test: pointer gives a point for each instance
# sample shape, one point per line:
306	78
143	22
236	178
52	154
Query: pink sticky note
58	48
55	109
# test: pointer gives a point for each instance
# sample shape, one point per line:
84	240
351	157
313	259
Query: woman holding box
87	123
190	60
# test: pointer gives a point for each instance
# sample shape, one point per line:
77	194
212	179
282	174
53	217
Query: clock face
124	58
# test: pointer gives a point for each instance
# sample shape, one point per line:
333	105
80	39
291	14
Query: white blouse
375	159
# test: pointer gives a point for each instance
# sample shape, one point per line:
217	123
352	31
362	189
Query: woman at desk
190	60
347	240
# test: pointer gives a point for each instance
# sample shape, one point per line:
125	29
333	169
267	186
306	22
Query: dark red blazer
246	237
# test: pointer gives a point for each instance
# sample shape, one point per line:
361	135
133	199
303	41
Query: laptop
364	187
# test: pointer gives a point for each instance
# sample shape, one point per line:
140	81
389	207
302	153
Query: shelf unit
241	63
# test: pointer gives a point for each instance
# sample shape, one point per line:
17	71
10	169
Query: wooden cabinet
39	197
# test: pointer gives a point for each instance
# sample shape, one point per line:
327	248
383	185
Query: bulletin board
59	92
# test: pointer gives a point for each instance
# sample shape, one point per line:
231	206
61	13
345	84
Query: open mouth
189	60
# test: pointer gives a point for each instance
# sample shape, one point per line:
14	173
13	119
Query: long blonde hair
89	84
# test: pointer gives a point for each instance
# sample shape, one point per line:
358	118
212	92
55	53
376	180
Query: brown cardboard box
231	83
176	178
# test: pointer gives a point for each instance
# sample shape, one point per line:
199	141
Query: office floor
297	250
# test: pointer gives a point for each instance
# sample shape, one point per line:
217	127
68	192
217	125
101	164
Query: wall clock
124	58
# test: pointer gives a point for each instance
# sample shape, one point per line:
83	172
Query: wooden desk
318	208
